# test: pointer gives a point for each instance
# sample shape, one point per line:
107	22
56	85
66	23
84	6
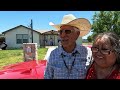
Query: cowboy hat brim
81	23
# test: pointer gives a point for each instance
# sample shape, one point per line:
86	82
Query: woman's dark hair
114	40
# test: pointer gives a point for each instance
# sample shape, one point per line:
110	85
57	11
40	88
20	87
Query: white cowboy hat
81	23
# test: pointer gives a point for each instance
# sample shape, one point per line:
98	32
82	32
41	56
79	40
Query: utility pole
31	29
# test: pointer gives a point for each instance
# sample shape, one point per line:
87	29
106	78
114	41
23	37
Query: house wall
41	40
47	38
11	37
54	37
36	38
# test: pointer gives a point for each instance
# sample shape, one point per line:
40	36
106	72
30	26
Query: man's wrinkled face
68	35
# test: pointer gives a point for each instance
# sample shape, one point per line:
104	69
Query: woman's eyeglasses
65	31
103	51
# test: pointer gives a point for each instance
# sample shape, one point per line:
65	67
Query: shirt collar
76	49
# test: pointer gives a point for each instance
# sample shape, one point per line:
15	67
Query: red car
24	70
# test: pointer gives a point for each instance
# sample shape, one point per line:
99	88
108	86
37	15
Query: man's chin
65	45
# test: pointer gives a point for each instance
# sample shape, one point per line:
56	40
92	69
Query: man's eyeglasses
103	51
65	31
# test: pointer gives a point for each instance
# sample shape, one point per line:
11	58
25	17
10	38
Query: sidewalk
50	48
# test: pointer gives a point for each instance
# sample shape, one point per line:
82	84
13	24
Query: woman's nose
99	52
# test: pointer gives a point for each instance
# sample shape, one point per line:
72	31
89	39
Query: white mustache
99	57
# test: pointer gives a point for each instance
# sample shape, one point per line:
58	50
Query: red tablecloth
24	70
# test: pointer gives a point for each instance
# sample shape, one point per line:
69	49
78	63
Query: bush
2	39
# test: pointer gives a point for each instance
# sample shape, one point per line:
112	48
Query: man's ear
78	34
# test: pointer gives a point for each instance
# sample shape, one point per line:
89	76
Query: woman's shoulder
118	75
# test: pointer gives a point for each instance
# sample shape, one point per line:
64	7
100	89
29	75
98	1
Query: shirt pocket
79	72
80	68
59	73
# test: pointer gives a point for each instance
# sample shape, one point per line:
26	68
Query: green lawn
87	43
8	57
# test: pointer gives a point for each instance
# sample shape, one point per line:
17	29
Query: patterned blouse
91	74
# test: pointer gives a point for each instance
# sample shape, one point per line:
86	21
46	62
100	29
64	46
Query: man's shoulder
56	50
49	51
83	48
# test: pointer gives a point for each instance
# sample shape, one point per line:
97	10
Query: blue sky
41	19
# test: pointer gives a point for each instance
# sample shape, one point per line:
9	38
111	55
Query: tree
89	38
2	39
104	21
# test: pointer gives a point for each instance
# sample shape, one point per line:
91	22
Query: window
21	38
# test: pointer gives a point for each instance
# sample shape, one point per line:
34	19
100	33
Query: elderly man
69	61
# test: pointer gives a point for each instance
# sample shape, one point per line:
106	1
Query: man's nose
63	34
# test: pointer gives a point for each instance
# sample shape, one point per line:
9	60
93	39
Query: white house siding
41	39
36	38
54	37
56	40
47	37
11	36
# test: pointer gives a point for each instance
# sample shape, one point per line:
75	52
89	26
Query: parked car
24	70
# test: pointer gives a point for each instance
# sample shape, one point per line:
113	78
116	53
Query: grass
87	43
8	57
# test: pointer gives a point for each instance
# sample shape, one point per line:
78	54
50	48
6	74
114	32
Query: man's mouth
64	40
99	57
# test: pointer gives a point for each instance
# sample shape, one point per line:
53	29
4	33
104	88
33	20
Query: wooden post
30	51
32	30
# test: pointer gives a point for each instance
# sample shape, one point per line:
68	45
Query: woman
106	57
